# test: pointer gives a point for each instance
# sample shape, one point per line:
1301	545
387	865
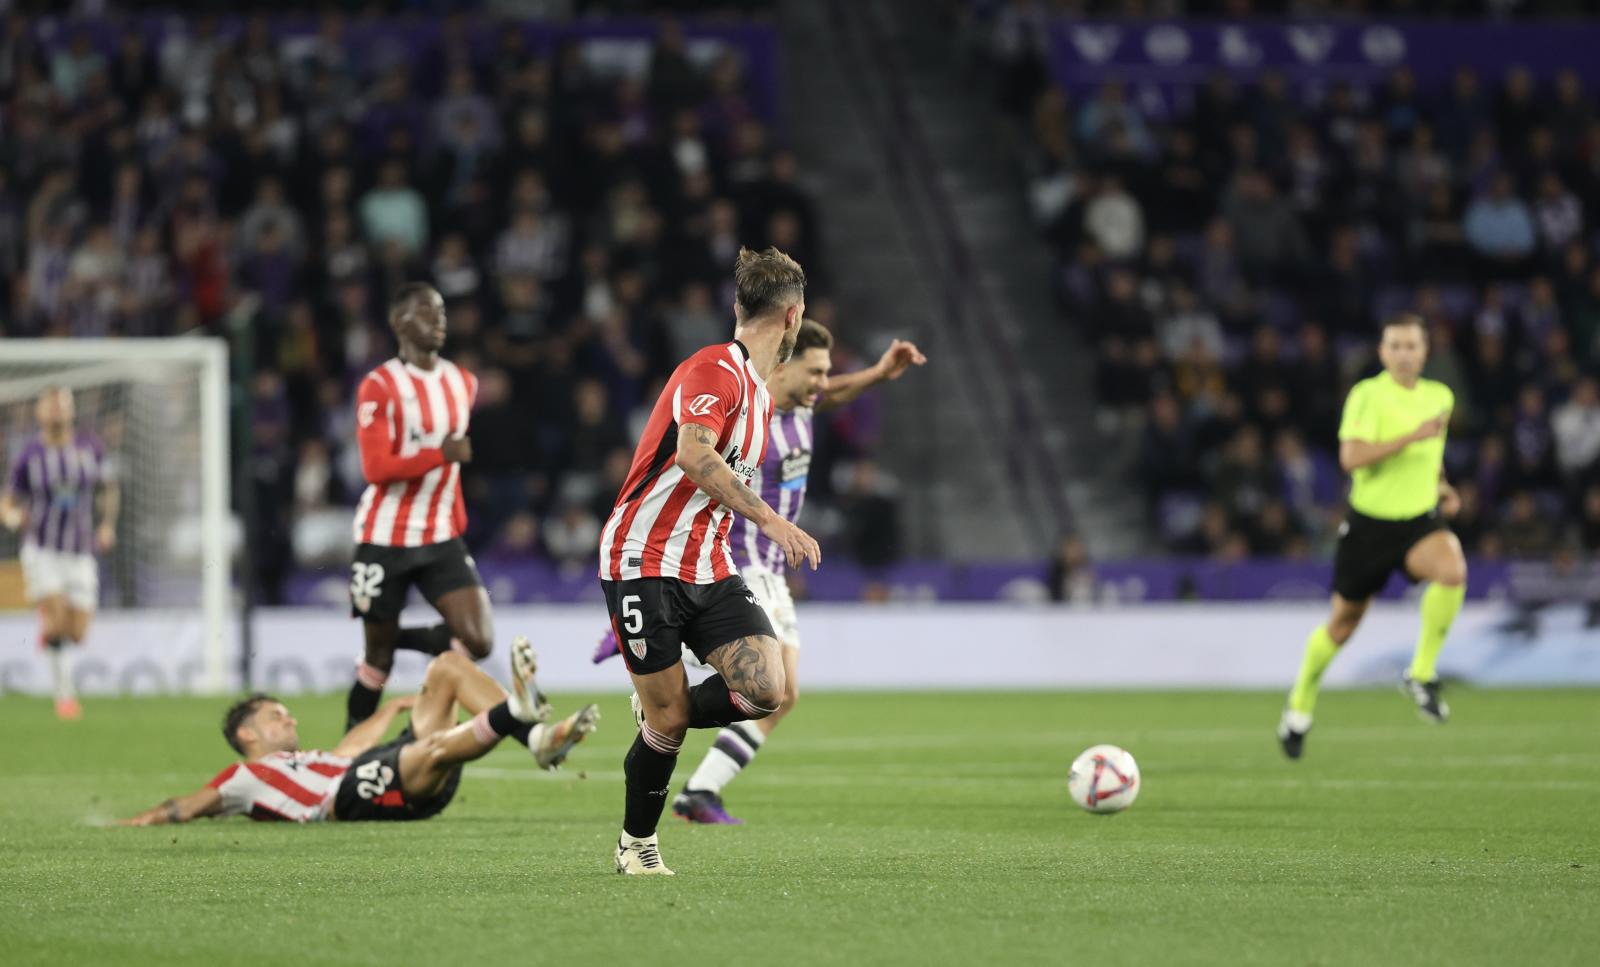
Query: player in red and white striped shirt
665	565
412	417
411	777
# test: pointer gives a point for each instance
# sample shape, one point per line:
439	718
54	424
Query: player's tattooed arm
204	801
701	463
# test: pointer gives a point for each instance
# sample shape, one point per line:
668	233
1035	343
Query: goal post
160	408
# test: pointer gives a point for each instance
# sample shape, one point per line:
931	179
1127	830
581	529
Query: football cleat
705	808
1292	729
1430	706
68	709
640	857
638	710
527	703
609	647
550	744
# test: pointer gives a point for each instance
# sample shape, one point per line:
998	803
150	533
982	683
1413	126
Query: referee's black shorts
1370	549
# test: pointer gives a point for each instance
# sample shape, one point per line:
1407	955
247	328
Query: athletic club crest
638	646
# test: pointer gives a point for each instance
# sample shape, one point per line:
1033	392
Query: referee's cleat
640	857
1430	706
527	703
703	808
1292	729
552	743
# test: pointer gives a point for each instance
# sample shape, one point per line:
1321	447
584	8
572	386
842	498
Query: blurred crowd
1230	266
275	189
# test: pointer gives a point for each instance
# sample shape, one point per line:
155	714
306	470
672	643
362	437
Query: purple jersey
58	484
782	484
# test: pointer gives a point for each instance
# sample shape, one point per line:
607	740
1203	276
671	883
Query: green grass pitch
927	828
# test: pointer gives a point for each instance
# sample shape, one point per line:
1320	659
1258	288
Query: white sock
61	662
735	746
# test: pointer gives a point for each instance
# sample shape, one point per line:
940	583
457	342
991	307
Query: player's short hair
764	281
1405	319
404	295
813	335
238	714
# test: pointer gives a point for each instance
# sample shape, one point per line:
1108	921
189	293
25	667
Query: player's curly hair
238	714
764	281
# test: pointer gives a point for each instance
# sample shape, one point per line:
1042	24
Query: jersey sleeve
17	478
235	801
708	395
375	421
1360	420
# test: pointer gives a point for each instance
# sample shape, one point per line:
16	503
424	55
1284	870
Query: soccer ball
1104	779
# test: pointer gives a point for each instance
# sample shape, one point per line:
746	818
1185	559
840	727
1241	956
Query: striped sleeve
376	419
709	395
17	479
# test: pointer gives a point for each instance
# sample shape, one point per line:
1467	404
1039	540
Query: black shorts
1371	549
381	576
655	617
371	789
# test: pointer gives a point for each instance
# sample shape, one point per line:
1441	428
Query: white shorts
772	593
48	573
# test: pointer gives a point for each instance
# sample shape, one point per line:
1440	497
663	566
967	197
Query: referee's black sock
711	705
648	769
432	640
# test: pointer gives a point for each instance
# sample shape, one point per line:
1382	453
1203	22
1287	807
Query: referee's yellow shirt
1378	410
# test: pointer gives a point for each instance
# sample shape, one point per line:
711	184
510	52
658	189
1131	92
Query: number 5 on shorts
632	617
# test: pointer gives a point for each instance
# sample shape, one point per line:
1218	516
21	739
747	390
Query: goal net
159	409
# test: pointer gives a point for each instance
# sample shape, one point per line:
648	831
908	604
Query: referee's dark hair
404	295
1406	318
238	714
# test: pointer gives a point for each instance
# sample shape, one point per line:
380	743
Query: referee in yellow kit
1391	442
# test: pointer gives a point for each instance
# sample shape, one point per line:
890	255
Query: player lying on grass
412	777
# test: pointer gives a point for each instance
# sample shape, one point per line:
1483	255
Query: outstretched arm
204	801
366	735
890	366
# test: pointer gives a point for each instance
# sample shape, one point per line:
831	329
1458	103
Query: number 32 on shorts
366	583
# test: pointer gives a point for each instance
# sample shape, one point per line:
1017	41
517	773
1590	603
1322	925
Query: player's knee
766	696
1453	574
791	696
673	723
479	641
446	665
